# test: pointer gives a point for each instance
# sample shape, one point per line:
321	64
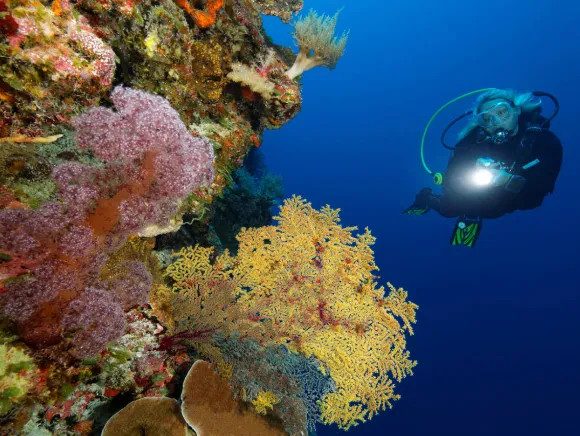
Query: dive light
482	177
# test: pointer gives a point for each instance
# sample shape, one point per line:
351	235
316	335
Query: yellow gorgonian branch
265	400
308	284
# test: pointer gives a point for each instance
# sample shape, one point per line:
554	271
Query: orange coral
6	97
60	7
107	213
205	18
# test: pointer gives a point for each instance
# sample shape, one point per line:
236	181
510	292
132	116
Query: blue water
498	325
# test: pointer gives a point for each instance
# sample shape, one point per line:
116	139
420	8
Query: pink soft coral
158	157
49	281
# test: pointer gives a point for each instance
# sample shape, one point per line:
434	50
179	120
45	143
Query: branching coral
307	284
318	45
131	167
84	319
265	400
203	298
249	203
312	284
298	382
149	163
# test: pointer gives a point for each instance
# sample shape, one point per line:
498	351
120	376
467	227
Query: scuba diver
506	159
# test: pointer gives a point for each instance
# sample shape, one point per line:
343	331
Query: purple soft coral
147	123
160	161
133	287
94	320
151	163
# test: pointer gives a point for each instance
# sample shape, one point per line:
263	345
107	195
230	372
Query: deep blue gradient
498	325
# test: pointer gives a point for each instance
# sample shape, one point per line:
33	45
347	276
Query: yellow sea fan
307	283
265	400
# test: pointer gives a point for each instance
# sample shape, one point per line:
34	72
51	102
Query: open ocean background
497	337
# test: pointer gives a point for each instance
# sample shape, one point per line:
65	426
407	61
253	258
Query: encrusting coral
55	64
207	406
206	395
284	9
154	48
16	375
148	416
202	17
252	79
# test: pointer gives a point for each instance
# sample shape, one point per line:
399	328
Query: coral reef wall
136	236
117	118
214	65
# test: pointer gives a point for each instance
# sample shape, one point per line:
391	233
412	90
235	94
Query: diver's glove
488	163
515	183
501	178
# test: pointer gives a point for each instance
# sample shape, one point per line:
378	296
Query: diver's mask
496	115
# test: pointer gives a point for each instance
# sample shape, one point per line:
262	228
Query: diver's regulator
500	137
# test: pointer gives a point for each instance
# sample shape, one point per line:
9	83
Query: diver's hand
500	177
488	163
509	182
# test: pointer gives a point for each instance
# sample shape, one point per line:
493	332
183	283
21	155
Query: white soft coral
318	45
252	79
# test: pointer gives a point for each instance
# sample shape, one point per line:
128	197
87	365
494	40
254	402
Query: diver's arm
552	153
541	177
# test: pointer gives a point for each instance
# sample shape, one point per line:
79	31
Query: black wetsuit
461	198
